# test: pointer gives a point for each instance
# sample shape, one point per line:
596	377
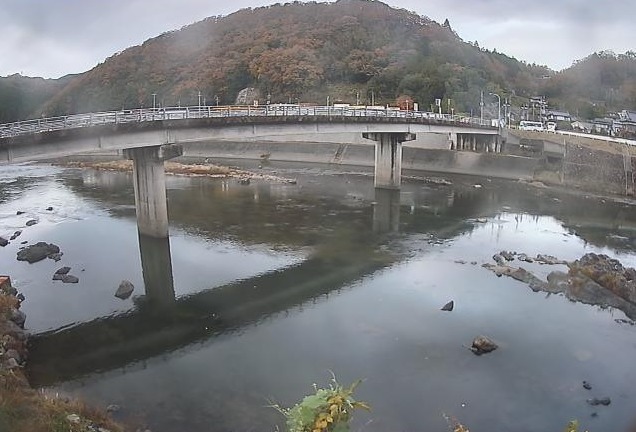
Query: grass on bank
23	409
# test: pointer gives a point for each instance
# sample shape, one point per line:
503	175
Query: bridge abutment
149	180
388	157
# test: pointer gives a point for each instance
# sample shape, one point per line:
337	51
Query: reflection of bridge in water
162	323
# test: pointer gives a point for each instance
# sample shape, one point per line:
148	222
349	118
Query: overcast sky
51	38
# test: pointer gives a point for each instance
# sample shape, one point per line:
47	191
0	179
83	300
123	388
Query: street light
498	109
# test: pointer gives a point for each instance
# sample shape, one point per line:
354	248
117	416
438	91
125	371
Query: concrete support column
150	187
388	157
454	140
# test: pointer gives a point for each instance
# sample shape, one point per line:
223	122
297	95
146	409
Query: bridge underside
149	144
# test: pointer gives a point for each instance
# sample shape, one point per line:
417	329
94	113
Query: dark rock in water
63	270
37	252
508	256
58	276
20	297
3	241
482	345
67	278
19	212
549	259
56	256
587	385
11	291
125	289
31	222
624	321
244	181
498	259
15	235
112	408
24	242
49	209
519	274
524	257
449	306
602	401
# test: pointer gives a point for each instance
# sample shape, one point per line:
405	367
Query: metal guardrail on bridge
197	112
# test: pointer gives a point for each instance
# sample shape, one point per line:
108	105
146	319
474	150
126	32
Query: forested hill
21	96
301	52
592	87
349	51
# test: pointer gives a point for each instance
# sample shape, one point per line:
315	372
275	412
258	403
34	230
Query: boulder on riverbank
593	279
37	252
22	406
607	272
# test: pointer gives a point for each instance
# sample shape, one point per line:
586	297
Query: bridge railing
75	121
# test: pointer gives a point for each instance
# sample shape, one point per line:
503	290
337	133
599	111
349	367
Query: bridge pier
149	180
388	157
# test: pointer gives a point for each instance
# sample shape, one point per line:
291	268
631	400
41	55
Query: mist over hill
351	51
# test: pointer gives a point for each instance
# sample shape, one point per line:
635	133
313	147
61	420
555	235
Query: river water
267	288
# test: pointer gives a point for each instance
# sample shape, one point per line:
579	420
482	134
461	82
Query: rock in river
31	222
67	278
449	306
37	252
63	270
125	290
482	345
3	241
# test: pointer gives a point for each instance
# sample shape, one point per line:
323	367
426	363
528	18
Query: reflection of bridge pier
149	331
386	211
150	187
156	265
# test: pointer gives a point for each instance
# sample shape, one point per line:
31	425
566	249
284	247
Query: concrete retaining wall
413	158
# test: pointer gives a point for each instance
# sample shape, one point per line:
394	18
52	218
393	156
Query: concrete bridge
150	136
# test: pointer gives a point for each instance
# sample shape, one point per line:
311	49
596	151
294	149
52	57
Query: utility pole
199	95
481	108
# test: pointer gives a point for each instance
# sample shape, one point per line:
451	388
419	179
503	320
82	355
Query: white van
531	125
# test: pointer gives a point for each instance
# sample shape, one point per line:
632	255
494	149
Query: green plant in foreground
327	410
573	426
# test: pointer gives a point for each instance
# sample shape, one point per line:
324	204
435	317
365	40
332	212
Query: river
267	288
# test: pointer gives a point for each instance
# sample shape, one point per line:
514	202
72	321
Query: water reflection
156	264
357	303
386	211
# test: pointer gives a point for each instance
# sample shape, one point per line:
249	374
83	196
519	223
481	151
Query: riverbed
268	287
